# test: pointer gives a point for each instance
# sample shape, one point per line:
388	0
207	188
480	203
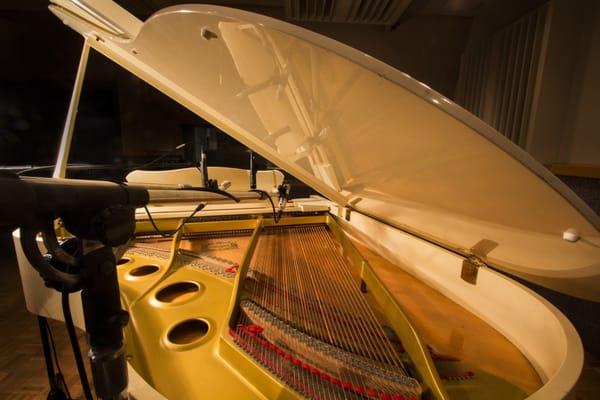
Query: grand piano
397	282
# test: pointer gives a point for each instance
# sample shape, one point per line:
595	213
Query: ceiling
459	8
283	8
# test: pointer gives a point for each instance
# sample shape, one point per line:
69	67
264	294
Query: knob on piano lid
571	235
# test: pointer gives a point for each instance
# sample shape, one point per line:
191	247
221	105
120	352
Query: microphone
37	201
284	195
252	171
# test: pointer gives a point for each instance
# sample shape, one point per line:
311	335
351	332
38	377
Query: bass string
303	262
346	295
324	294
381	339
337	299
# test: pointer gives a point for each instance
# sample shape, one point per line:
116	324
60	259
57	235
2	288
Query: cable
276	215
212	190
75	346
60	375
67	281
185	221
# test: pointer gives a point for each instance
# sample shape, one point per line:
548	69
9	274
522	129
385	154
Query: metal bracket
347	213
107	24
470	269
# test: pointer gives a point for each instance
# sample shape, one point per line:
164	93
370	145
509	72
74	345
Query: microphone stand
101	215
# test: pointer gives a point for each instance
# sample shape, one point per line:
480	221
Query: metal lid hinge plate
470	269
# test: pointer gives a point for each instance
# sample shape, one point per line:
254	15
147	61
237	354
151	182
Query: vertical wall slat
497	76
510	62
526	54
500	81
540	23
516	88
485	65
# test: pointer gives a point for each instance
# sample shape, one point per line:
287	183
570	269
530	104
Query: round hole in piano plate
177	292
143	270
188	332
123	260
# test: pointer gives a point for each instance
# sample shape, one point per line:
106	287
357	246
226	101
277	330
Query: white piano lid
365	135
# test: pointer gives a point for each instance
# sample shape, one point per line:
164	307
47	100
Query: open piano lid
358	131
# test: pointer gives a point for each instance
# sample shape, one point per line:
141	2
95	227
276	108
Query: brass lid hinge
348	210
470	269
